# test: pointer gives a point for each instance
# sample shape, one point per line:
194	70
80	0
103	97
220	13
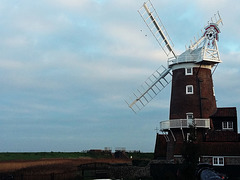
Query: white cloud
16	41
76	61
8	64
73	4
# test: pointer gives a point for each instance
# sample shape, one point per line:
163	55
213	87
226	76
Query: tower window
189	115
190	120
188	71
189	89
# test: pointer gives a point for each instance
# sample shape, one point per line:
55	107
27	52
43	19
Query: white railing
197	55
184	123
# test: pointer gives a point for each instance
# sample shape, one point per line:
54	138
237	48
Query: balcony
209	56
184	123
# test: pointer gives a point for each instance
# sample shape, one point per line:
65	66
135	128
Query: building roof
214	148
225	112
222	136
188	56
220	148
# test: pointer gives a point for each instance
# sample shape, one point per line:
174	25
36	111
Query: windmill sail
162	76
153	22
150	88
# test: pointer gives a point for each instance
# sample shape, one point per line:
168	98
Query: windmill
192	93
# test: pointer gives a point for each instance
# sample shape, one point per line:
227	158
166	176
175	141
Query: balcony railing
184	123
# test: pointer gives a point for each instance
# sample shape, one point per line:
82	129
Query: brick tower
192	91
193	106
192	97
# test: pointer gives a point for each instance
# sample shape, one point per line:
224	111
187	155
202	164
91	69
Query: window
190	120
189	115
230	125
189	89
188	71
218	161
227	125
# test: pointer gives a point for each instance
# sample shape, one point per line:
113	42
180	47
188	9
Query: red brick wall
160	147
202	103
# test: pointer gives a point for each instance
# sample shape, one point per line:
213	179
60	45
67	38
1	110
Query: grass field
39	155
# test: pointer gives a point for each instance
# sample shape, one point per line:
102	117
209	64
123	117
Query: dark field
60	165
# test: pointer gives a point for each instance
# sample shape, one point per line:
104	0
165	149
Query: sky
66	67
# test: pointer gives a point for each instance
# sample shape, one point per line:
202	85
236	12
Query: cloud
67	66
73	4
